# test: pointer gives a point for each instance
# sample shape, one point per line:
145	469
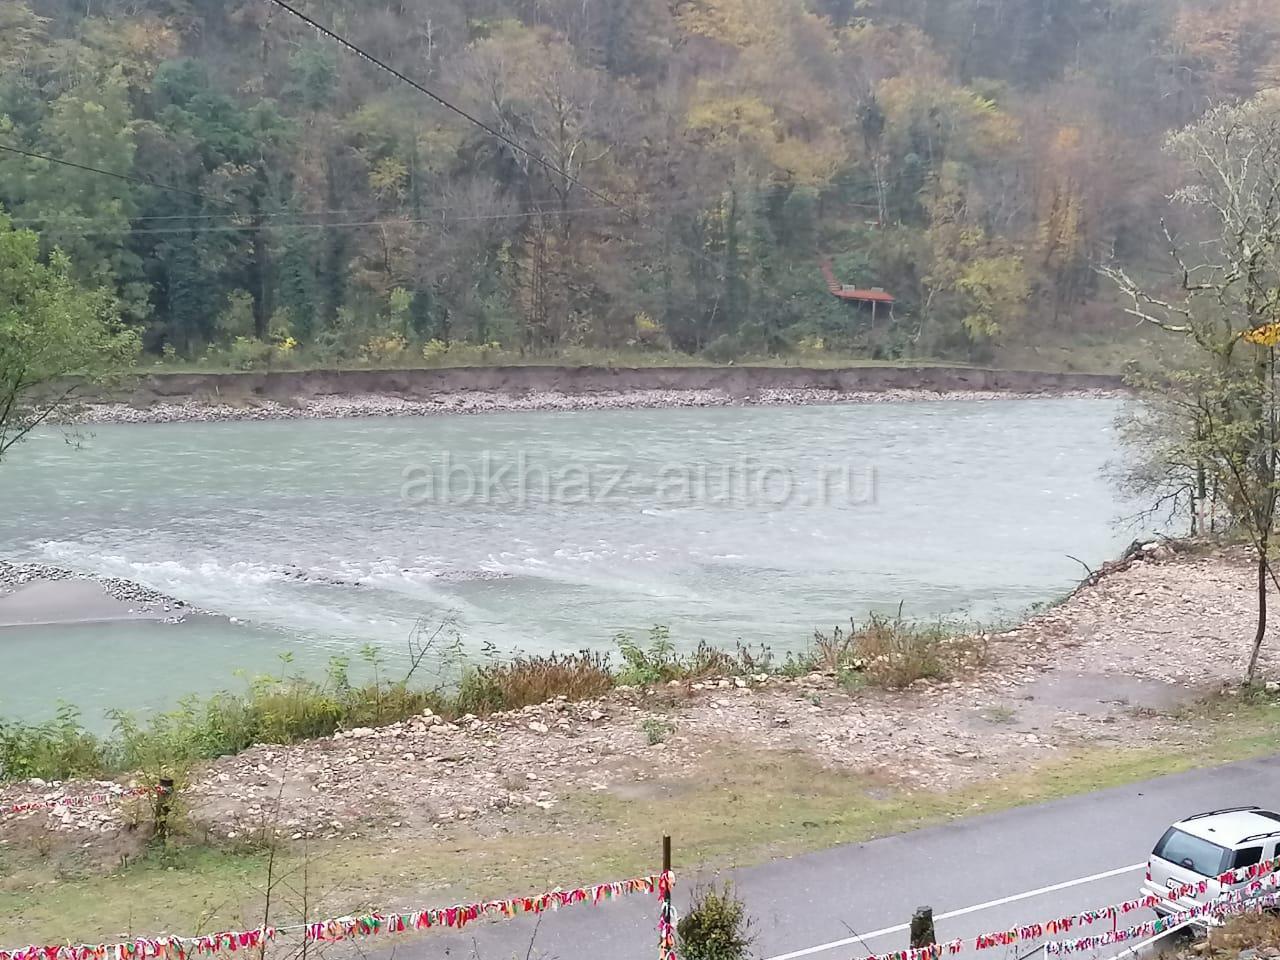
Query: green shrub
479	693
248	353
660	663
851	680
57	750
798	664
656	730
716	927
646	666
894	653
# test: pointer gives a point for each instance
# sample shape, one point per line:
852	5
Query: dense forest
687	166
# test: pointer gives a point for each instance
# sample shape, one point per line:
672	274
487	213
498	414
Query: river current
545	531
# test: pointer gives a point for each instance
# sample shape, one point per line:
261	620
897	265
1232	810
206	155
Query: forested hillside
975	158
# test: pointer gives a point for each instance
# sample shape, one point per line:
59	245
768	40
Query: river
544	531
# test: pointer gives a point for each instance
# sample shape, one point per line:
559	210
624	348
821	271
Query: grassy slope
1104	352
748	809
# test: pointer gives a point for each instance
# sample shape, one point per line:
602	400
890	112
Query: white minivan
1206	846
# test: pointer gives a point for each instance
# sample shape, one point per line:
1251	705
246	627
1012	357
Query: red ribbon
82	800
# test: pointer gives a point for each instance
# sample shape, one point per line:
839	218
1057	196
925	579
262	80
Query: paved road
838	904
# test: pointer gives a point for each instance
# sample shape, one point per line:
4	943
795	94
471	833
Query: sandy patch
68	602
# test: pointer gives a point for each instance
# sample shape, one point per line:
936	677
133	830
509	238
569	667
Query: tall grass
278	710
893	652
286	709
526	681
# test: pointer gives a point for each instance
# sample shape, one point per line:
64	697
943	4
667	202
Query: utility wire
551	208
547	207
395	222
470	118
293	219
107	173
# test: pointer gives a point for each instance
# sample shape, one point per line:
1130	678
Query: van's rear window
1205	858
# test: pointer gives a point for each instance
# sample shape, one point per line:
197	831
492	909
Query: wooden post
667	935
922	932
163	804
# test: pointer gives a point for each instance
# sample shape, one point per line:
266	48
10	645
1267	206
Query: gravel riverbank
338	406
1110	667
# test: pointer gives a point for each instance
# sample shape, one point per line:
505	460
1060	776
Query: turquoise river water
545	531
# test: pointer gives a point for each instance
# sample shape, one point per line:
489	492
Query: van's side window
1247	857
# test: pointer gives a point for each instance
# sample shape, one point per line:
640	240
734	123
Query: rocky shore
336	406
1113	667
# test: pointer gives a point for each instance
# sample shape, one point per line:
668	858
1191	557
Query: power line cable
470	118
553	207
276	221
107	173
397	222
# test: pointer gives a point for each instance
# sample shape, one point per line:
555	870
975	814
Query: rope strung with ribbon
1060	925
347	928
666	917
931	952
81	800
1234	903
150	948
457	917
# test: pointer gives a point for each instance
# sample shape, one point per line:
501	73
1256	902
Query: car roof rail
1214	813
1261	836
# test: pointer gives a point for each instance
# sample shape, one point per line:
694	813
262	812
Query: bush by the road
716	927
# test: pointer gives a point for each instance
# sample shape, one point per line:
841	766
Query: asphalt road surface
981	874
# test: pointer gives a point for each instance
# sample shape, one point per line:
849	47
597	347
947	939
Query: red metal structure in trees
846	292
873	296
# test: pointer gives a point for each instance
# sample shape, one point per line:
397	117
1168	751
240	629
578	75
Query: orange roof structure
846	292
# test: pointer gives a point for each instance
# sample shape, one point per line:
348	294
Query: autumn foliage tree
55	335
689	165
1217	410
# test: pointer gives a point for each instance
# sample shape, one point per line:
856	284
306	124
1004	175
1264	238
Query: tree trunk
1267	511
1201	495
258	278
1262	617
